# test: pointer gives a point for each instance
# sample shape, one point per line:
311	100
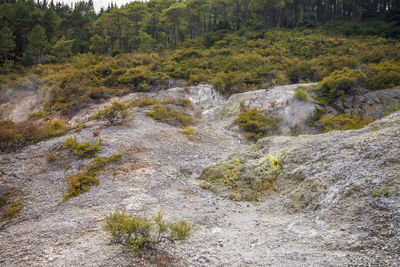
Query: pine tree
7	43
35	51
62	49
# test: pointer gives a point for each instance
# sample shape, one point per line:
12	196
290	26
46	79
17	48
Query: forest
45	32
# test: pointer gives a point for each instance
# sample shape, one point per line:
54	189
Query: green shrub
300	71
170	116
233	82
83	150
301	94
187	131
10	202
141	233
81	181
343	122
115	113
137	77
383	75
340	82
14	136
257	123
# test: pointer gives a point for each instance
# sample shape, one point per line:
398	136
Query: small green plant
205	185
50	158
14	207
141	233
10	202
301	94
187	131
83	150
81	181
257	123
384	191
115	113
171	116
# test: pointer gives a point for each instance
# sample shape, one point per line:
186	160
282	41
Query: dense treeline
44	32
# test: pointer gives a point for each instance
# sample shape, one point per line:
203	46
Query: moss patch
384	191
243	182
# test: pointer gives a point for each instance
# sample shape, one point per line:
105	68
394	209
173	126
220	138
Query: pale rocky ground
341	224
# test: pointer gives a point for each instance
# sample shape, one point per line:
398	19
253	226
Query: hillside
334	198
200	133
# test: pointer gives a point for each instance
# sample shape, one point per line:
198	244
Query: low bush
141	233
81	181
115	113
301	94
170	116
257	123
14	136
340	82
343	122
383	75
83	150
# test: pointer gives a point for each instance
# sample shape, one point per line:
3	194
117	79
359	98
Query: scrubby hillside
286	200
